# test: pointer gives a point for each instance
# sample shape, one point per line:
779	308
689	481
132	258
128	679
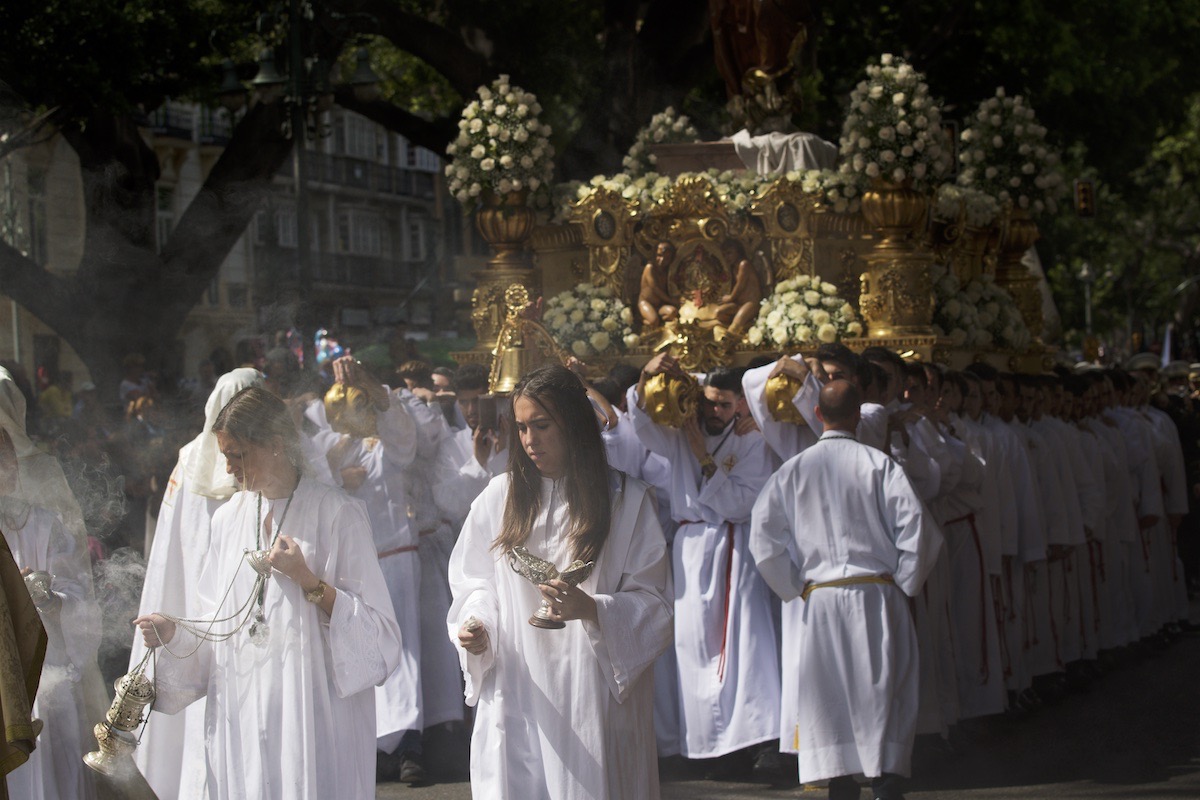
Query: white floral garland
665	127
1004	153
981	314
501	145
803	310
893	130
590	320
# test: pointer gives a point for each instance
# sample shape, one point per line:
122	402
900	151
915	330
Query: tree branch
431	134
219	213
47	296
436	45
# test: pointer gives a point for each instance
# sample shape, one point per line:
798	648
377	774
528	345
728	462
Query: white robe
294	719
725	635
564	714
843	509
171	753
441	686
55	769
383	491
459	477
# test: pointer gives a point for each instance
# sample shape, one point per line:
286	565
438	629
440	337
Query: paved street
1136	734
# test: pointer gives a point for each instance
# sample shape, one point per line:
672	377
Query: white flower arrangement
893	129
665	127
590	320
1004	153
976	208
501	145
803	310
838	191
981	314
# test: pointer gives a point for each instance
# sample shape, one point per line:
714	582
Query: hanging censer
134	691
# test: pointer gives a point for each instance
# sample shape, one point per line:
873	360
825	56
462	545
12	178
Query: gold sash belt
810	586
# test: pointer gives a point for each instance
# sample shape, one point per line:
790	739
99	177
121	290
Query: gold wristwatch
317	594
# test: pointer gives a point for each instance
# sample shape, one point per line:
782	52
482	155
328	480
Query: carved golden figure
738	309
654	301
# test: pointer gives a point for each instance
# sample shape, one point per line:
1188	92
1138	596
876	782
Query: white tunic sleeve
362	632
916	534
771	526
785	438
473	584
634	618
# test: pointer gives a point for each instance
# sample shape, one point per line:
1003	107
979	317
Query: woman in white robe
291	715
171	752
561	713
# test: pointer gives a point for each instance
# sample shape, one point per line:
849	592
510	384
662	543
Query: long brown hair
258	417
560	394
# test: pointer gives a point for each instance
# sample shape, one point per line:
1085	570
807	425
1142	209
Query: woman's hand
473	637
156	629
568	602
286	557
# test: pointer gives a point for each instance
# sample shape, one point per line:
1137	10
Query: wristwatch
317	594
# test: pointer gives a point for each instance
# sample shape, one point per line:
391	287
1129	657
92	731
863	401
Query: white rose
779	335
476	125
812	298
598	305
847	311
579	348
887	134
600	340
755	336
872	170
876	92
863	142
828	288
804	334
854	329
576	316
488	164
898	99
627	316
827	333
886	59
609	324
475	190
630	339
501	110
887	156
898	174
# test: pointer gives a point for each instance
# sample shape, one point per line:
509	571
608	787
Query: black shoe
387	767
769	768
412	770
734	766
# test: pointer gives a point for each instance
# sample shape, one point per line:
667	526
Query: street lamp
1087	278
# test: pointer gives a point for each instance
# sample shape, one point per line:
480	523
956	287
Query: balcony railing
357	173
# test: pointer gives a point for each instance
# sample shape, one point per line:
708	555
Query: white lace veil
204	471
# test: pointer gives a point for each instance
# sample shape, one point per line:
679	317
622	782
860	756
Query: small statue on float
738	309
654	299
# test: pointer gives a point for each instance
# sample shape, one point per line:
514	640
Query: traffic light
1085	198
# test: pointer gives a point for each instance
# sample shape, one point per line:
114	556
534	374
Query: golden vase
897	289
505	221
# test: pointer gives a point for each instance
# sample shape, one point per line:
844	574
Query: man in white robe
441	687
840	531
724	630
470	456
378	441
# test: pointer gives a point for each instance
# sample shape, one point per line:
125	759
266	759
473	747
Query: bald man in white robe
840	531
